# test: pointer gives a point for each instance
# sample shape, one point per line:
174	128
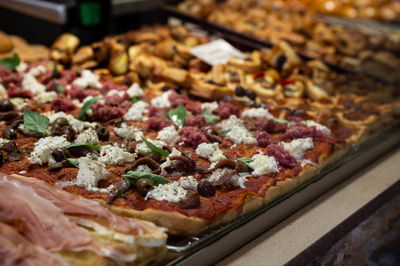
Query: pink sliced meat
159	123
62	103
104	113
263	138
78	93
196	121
302	131
225	110
192	136
284	158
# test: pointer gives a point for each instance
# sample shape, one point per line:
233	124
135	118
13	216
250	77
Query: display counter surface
336	211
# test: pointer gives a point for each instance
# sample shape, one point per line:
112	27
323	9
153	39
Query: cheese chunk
88	79
257	113
209	107
46	96
136	112
91	171
112	154
129	132
263	164
168	135
162	101
76	124
37	71
30	83
240	135
210	152
227	124
174	191
135	90
322	128
142	148
43	147
89	136
216	174
297	147
167	163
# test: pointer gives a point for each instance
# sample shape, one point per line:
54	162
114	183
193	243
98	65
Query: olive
144	185
56	130
9	133
70	132
61	121
6	105
280	62
251	94
103	133
240	91
1	158
58	154
206	189
242	167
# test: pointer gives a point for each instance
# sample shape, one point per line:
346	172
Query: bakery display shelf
217	242
169	7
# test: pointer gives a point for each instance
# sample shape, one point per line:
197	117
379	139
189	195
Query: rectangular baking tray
216	243
168	6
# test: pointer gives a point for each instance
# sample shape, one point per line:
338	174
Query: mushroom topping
144	185
13	153
70	133
180	163
61	121
80	150
206	189
241	167
191	201
154	166
9	116
226	163
122	186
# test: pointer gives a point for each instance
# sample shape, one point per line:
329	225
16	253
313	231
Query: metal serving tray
169	7
218	242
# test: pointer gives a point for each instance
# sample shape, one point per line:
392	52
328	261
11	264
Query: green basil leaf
91	146
247	161
35	122
133	176
85	108
134	99
210	118
10	62
283	121
252	133
224	133
154	148
72	161
178	115
55	73
59	88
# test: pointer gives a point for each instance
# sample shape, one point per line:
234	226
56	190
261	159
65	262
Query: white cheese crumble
322	128
76	124
211	152
46	96
297	147
112	154
240	135
120	93
22	67
129	132
168	135
88	79
91	171
3	141
167	163
19	103
37	71
257	113
135	113
172	192
135	90
89	136
263	164
142	148
209	107
216	174
227	124
43	147
29	83
239	179
143	168
162	101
